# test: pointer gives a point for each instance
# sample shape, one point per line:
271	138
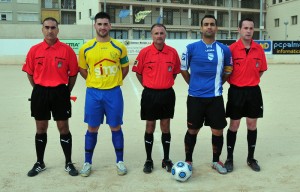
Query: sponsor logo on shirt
105	71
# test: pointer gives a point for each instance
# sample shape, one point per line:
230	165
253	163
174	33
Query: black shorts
157	104
244	102
45	100
209	111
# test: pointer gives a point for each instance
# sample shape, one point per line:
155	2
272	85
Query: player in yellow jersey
103	62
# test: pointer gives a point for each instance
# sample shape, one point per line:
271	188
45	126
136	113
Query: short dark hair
209	16
102	15
158	25
244	19
50	19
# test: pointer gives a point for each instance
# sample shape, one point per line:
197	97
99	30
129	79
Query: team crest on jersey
59	64
113	55
257	64
210	56
170	68
135	62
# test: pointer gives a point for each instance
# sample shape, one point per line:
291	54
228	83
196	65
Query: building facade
20	11
274	19
282	20
63	10
34	11
181	17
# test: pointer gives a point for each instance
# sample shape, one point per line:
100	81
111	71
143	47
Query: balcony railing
246	4
65	4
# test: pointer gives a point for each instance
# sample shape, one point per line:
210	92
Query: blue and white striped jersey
206	67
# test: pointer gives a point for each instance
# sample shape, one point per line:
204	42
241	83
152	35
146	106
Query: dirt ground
277	146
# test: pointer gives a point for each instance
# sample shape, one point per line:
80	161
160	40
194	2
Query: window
280	1
68	4
90	12
222	35
141	34
222	19
5	0
28	17
46	4
68	17
168	17
28	1
3	17
254	16
112	11
234	35
177	35
274	1
221	3
79	16
203	2
250	4
119	34
50	4
276	22
184	1
195	35
195	18
294	20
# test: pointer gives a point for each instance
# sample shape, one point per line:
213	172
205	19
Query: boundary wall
13	51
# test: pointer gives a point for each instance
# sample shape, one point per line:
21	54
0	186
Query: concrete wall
13	51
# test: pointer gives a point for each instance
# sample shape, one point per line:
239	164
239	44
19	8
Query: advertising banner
266	45
286	47
134	46
74	43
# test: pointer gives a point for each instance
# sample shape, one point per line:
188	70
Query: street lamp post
230	17
261	26
286	35
92	19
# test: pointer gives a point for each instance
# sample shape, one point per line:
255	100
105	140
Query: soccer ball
181	171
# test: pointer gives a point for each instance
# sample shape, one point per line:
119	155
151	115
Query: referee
244	95
156	67
52	68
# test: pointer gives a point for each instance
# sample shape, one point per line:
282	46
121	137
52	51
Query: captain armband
227	69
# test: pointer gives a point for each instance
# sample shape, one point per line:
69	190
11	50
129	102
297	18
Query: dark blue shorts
104	102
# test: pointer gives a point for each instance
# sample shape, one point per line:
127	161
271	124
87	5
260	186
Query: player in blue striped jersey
205	66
